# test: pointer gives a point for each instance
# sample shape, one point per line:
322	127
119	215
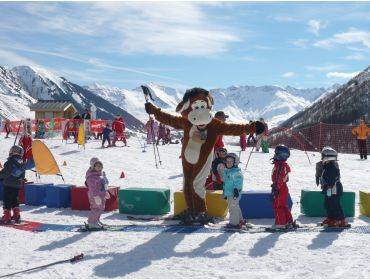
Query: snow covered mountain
241	103
345	105
14	100
31	83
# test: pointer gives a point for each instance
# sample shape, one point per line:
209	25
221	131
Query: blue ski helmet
281	152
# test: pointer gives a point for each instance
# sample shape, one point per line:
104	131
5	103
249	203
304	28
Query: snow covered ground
197	255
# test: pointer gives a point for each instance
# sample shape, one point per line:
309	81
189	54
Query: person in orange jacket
361	131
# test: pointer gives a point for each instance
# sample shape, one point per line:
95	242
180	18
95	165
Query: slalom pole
147	94
72	260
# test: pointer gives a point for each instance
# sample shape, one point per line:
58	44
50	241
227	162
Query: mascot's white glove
98	200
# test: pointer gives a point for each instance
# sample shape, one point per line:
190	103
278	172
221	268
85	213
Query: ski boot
16	215
6	218
328	222
202	218
342	224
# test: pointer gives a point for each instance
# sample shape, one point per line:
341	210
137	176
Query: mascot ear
210	101
182	106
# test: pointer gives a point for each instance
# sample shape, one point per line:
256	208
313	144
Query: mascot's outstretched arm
238	129
165	118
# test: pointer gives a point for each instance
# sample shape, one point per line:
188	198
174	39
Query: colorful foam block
144	201
216	204
258	204
312	203
365	203
36	193
80	200
58	196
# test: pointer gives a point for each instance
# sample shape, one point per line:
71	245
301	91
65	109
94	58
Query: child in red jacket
280	192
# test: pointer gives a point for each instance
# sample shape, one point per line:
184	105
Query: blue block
1	190
258	205
58	196
36	193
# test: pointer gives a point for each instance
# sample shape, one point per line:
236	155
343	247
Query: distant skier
233	185
97	185
243	141
26	143
8	128
262	139
13	175
106	136
118	126
279	188
161	133
328	172
361	131
152	130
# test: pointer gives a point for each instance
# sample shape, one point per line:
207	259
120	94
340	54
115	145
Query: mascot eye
202	107
197	107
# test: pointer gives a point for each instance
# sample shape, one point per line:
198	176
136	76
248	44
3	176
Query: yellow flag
81	134
45	163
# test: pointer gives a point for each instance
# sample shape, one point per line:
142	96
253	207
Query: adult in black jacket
13	175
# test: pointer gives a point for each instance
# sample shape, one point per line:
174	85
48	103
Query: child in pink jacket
96	183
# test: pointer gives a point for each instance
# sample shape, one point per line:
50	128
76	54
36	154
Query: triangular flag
122	175
64	163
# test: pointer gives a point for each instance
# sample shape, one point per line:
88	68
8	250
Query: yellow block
216	204
365	203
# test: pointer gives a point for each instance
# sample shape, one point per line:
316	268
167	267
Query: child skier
13	174
328	174
233	185
106	135
218	167
279	188
97	184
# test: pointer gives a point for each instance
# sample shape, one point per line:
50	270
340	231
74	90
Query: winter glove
260	127
98	200
236	193
274	191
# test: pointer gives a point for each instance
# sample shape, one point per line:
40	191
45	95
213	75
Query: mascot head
196	106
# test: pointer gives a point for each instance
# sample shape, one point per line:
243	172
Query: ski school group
206	164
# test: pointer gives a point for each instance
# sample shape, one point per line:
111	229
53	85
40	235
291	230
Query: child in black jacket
329	176
13	175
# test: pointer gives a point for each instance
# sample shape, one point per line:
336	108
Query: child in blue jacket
233	185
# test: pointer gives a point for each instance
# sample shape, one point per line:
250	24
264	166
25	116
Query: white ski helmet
328	153
234	157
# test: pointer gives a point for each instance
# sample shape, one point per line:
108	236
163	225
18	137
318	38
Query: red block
80	201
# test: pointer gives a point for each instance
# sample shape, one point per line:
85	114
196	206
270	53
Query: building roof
52	105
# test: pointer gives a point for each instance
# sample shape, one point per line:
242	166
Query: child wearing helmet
13	175
233	185
218	167
280	191
97	184
328	175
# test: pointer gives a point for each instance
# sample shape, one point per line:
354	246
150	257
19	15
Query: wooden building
47	109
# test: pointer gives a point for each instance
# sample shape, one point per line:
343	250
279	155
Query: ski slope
176	255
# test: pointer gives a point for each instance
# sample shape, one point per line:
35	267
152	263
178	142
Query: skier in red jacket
119	126
222	117
26	143
279	188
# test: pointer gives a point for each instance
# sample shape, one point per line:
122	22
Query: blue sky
187	44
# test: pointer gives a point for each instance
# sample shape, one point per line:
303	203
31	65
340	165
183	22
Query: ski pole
249	158
19	127
72	260
147	94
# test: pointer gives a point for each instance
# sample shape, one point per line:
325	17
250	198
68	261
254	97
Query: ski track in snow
168	255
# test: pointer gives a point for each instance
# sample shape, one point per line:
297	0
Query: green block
312	203
144	201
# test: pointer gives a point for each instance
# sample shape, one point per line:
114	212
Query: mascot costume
200	135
